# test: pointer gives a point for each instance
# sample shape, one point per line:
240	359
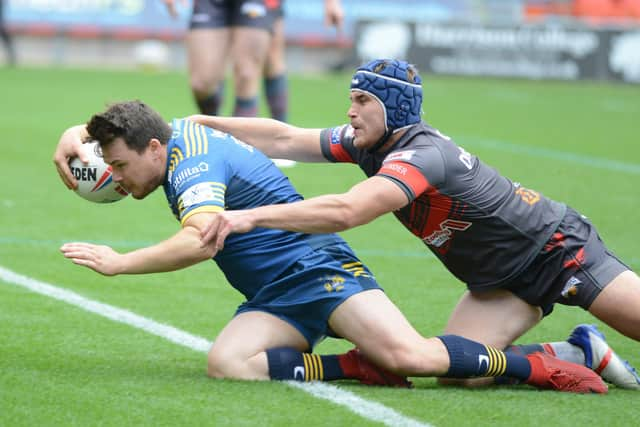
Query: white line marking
370	410
556	155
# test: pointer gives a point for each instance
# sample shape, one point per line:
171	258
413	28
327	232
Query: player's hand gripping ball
95	182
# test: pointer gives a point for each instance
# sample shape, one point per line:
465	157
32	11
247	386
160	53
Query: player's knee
220	365
202	86
247	75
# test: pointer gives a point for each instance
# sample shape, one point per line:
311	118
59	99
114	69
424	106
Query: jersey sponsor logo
198	193
465	158
335	135
397	167
399	155
187	174
528	196
447	228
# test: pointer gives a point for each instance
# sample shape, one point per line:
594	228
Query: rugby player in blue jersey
299	287
518	252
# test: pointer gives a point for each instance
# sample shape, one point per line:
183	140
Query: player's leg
257	345
276	88
618	305
249	47
207	51
239	350
495	318
372	322
590	276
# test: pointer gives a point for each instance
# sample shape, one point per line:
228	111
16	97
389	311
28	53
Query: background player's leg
275	74
249	47
207	51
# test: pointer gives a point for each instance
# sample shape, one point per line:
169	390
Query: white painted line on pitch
366	409
557	155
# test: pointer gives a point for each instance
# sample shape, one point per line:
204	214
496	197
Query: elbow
350	217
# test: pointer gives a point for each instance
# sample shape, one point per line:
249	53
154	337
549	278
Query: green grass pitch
59	365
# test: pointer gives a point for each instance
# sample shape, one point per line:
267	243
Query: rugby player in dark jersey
518	252
299	287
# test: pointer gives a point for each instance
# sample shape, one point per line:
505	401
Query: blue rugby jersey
210	171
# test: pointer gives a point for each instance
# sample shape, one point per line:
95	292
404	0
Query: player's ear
155	146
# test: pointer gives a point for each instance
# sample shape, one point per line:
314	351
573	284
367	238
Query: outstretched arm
274	138
323	214
181	250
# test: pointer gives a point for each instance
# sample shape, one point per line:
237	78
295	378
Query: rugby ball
95	182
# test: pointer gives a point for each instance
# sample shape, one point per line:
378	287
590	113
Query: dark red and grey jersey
485	228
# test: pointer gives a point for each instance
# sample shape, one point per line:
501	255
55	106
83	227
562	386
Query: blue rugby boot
602	359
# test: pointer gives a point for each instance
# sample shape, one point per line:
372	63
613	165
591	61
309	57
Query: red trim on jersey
338	152
407	174
438	213
548	349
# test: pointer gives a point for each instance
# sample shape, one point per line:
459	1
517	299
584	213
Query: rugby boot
602	359
548	372
359	367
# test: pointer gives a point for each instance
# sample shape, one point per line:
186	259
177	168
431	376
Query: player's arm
274	138
363	203
67	148
181	250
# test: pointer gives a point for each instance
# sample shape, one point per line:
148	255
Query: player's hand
68	147
333	14
99	258
223	224
171	6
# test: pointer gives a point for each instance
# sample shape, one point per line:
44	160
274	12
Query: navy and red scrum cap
388	81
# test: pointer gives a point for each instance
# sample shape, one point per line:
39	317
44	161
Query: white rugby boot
602	359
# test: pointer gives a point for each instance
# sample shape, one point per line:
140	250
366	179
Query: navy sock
210	105
246	107
472	359
290	364
277	93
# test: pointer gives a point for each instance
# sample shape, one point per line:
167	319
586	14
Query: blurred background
535	39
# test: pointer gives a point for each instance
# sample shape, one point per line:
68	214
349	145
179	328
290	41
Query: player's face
367	119
140	174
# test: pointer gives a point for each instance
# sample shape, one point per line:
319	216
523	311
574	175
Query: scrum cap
389	83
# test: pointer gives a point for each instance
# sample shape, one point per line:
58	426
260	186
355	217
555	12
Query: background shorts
308	292
234	13
571	269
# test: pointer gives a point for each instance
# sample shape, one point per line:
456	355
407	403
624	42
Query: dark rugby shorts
210	14
571	269
308	292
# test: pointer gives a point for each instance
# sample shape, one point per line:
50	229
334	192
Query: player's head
133	138
397	86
